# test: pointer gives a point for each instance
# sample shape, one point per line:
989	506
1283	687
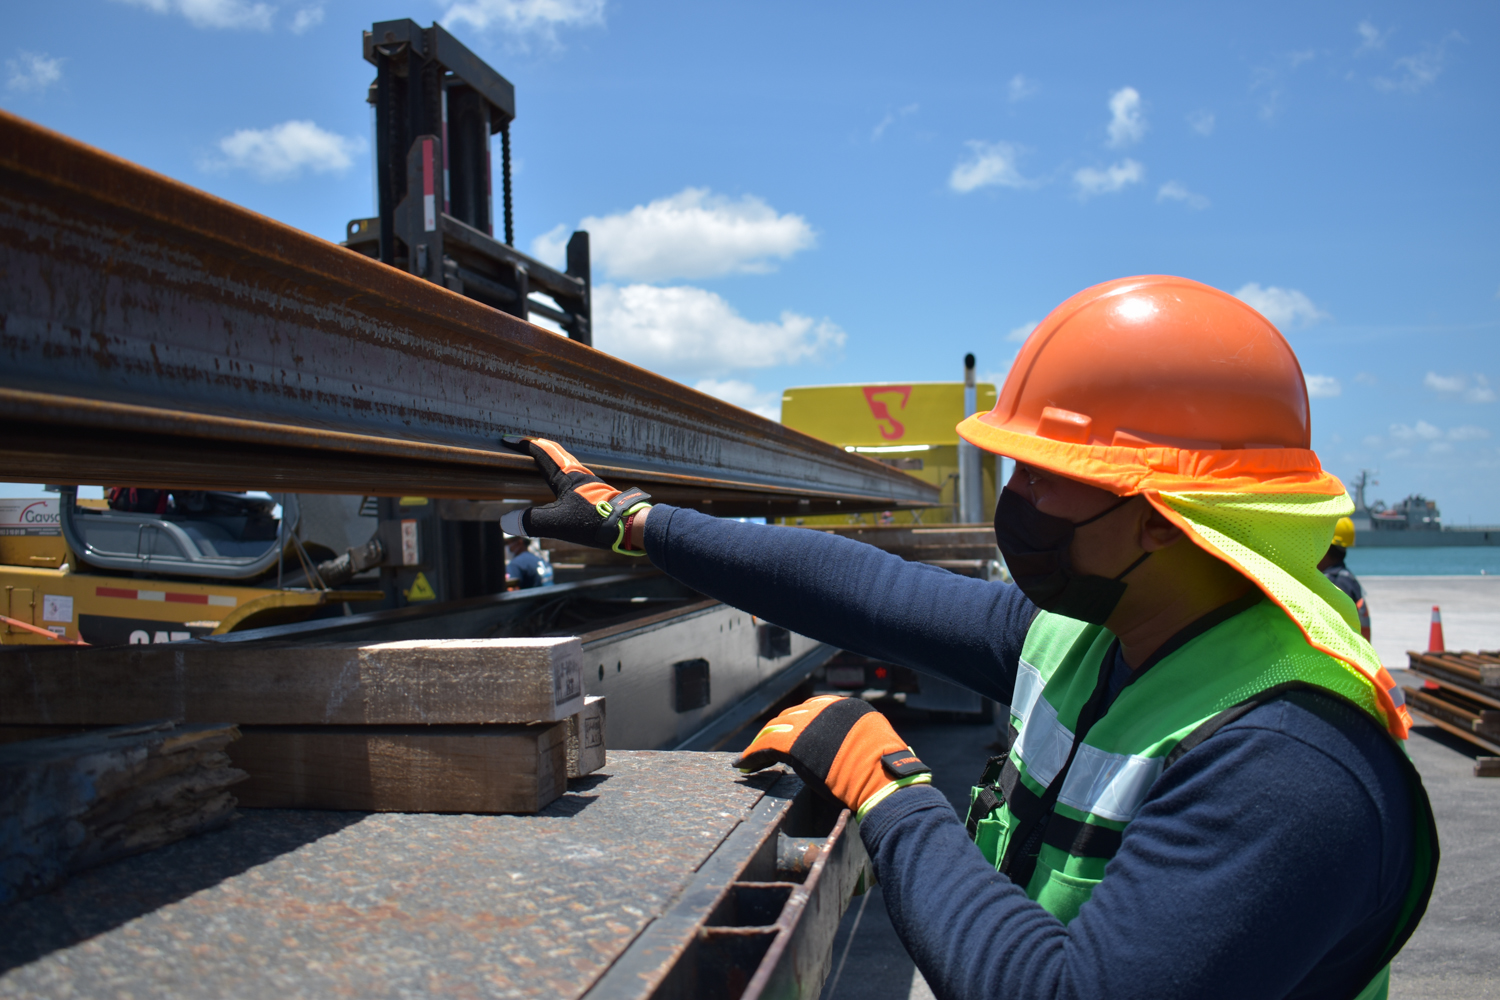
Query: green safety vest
1051	811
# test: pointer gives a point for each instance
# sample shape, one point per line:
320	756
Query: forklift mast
436	107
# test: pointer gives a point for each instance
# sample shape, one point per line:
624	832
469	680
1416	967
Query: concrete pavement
1401	610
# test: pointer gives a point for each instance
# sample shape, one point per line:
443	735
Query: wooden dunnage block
586	738
73	801
453	769
417	682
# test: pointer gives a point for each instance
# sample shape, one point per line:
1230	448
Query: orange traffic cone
1435	642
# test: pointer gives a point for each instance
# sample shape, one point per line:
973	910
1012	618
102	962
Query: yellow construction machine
80	570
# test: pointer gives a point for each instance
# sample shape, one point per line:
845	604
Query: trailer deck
654	877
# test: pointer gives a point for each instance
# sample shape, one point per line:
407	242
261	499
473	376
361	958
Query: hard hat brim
1125	471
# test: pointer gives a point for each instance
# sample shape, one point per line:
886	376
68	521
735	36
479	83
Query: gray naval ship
1414	522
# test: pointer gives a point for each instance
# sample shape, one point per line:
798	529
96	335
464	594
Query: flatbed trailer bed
656	877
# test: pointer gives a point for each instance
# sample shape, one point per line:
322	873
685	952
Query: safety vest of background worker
1172	421
1332	566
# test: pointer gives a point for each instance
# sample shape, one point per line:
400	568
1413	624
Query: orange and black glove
840	745
587	511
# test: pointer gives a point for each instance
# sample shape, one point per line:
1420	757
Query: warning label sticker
56	608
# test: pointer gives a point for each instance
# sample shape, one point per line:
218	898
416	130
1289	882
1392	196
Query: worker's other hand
587	511
841	745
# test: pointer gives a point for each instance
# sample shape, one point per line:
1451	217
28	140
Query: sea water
1455	560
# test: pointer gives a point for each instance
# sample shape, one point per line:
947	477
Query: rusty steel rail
152	334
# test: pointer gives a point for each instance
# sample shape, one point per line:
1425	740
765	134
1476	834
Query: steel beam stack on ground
155	335
1460	693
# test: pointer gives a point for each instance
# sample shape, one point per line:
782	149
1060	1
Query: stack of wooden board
455	725
74	801
1460	693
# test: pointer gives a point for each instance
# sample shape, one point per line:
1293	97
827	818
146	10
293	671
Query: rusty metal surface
664	960
154	334
798	960
288	905
747	924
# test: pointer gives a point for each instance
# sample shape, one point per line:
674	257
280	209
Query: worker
1332	566
525	569
1205	792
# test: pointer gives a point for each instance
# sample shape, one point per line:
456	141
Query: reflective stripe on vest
1111	785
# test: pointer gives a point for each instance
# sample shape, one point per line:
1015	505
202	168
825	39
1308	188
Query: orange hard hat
1157	383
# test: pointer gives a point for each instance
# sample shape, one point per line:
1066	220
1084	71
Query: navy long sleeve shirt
1270	861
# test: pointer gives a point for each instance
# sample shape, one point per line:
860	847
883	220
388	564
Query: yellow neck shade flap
1276	540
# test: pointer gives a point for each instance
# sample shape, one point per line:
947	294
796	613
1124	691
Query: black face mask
1035	547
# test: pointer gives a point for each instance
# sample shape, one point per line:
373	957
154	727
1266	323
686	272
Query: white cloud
1436	438
1417	71
306	19
1201	122
1366	378
1284	307
1478	391
214	13
552	246
1126	123
32	72
1323	387
1370	37
692	331
1447	384
541	18
1021	88
1018	334
1173	191
1399	453
1373	441
1421	431
988	164
744	395
283	151
1270	81
1109	180
692	234
891	118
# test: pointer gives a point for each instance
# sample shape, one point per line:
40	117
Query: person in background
525	569
1340	575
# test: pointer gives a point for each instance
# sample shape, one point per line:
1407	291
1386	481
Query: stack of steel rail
1460	693
155	335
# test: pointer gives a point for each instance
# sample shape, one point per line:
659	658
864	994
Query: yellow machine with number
908	425
47	591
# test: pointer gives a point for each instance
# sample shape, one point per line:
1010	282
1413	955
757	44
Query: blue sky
787	194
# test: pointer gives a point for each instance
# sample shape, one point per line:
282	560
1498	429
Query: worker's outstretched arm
1269	862
832	589
850	595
